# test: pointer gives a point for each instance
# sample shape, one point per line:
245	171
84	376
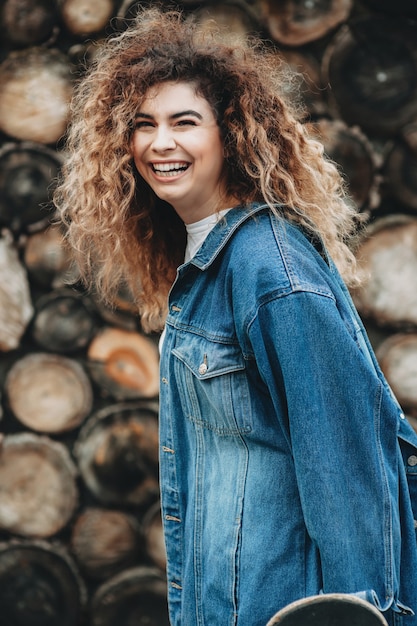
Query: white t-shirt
196	234
198	231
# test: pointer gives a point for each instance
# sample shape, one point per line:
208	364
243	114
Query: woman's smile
169	169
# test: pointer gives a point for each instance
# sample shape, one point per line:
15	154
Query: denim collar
221	233
224	229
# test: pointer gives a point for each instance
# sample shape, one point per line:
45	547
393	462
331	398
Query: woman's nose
163	139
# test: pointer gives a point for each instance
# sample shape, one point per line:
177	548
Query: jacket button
412	460
202	369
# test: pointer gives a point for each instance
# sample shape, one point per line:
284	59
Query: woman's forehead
174	95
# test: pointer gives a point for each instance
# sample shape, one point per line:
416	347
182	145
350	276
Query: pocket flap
208	358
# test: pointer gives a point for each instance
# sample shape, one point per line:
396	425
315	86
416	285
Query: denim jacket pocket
212	381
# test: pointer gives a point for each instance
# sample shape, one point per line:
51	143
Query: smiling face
178	150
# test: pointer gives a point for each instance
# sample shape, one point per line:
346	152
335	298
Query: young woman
190	180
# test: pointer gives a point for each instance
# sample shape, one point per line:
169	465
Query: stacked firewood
80	527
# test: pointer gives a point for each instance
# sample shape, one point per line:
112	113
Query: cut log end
124	364
117	452
49	393
297	22
387	256
35	92
39	584
105	542
39	492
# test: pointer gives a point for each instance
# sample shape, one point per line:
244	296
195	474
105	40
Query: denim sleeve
342	433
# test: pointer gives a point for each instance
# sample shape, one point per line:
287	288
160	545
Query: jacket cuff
395	605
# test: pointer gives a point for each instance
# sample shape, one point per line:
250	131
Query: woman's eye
186	123
143	124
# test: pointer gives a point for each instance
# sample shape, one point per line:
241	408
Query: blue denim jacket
282	474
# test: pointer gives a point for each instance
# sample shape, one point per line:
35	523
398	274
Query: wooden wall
80	534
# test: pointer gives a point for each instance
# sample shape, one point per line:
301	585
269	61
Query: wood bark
16	308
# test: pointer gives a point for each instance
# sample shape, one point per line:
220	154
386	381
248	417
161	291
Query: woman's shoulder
268	238
270	250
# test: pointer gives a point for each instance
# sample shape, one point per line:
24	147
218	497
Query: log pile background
80	533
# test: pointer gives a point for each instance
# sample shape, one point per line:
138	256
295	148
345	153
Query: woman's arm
342	424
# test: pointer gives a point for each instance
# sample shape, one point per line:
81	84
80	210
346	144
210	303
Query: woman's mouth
170	169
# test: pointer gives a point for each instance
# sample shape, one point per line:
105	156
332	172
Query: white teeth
169	169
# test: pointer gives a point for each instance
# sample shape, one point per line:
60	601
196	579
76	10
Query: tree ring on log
371	67
228	22
64	321
306	81
27	174
16	307
117	451
48	259
105	542
48	393
387	257
154	536
353	153
297	22
28	22
86	17
35	92
125	364
401	167
39	584
39	492
397	356
136	596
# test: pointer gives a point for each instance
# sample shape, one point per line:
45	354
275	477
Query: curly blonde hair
121	233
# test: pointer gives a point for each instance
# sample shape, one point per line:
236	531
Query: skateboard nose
333	609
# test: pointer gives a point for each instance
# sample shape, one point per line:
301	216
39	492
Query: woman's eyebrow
174	116
187	112
145	115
